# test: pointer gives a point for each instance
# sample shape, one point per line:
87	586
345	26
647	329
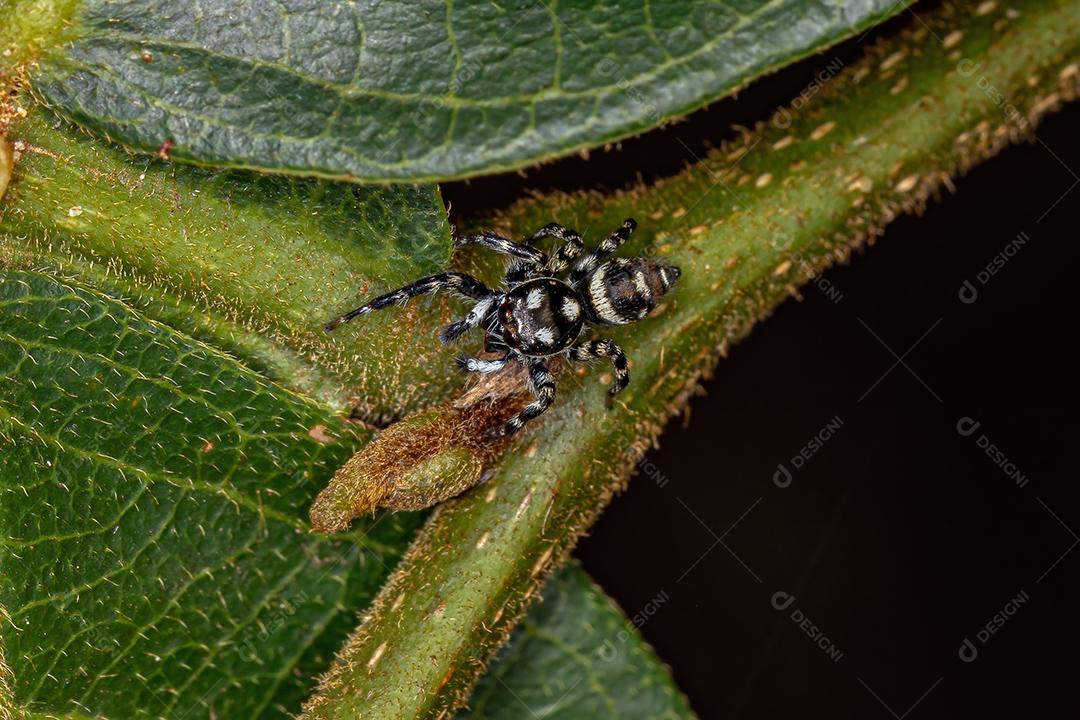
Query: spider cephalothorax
539	314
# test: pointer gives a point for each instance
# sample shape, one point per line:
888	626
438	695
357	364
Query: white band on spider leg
479	311
480	365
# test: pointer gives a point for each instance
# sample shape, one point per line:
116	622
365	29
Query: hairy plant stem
748	225
250	263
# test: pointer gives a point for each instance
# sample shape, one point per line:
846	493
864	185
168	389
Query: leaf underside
420	90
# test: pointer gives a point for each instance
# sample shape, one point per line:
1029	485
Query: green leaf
418	90
252	263
152	554
747	224
575	655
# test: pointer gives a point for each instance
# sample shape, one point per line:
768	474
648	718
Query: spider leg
529	259
603	348
571	248
520	271
503	245
476	316
459	283
481	365
586	265
493	341
542	384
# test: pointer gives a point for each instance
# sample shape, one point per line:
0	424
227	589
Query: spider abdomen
625	290
541	317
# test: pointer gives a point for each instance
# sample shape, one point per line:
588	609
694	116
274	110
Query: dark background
900	538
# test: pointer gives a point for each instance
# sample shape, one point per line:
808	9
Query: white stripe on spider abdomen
600	297
623	291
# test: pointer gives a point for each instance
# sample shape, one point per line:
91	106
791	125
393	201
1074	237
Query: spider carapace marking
540	317
545	305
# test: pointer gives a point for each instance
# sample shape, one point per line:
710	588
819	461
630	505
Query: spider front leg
459	283
571	248
529	260
607	246
542	384
506	246
604	348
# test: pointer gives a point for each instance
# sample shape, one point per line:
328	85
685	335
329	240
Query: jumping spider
540	315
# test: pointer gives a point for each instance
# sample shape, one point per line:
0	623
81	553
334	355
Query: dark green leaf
417	90
576	656
153	558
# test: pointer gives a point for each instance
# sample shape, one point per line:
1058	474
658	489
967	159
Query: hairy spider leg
529	259
481	365
594	349
493	340
503	245
554	230
519	271
459	283
543	386
476	316
586	265
571	246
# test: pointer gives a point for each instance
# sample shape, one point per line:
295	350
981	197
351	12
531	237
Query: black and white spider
540	315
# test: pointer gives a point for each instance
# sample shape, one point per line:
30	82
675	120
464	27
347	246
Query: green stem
254	264
747	225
